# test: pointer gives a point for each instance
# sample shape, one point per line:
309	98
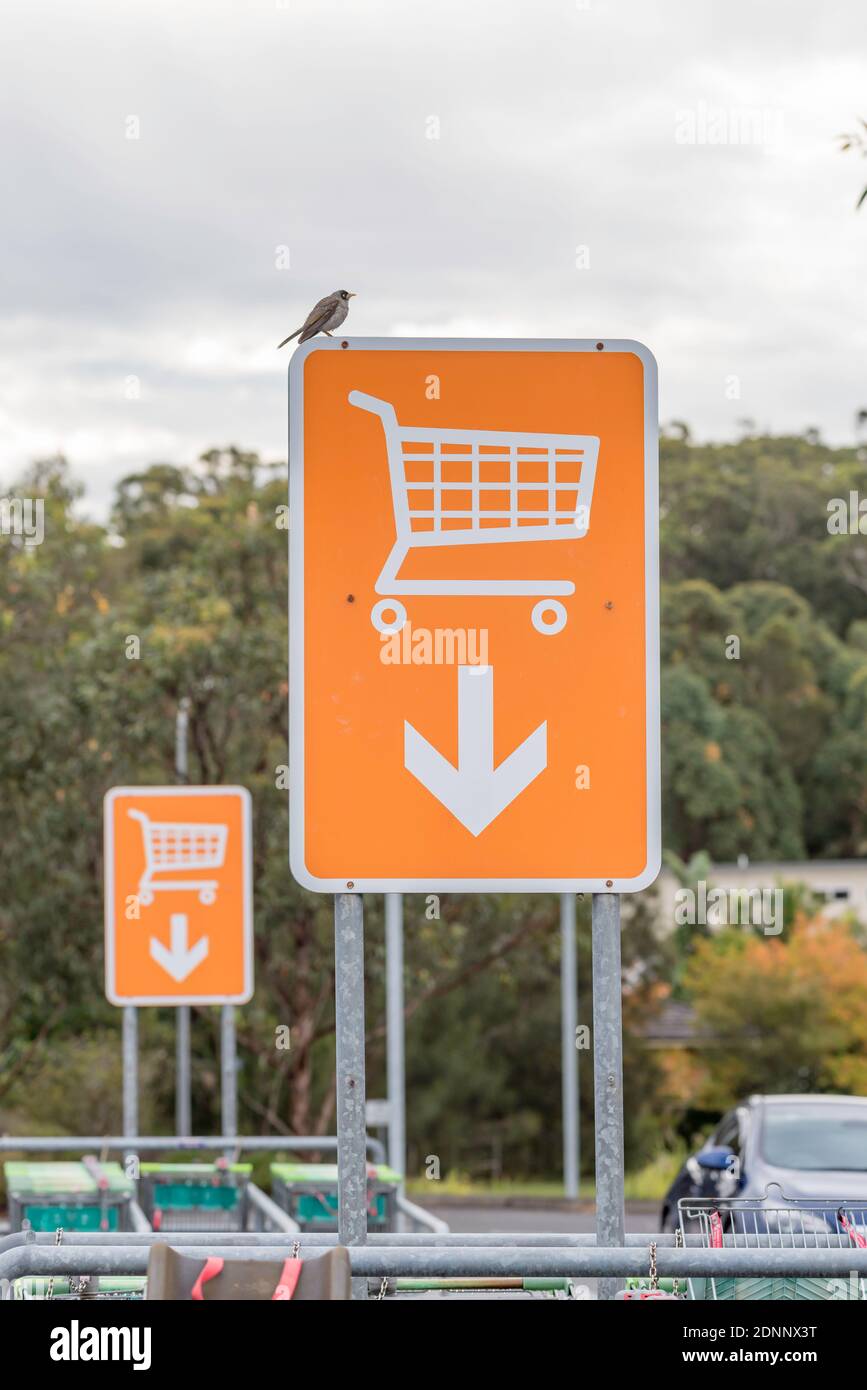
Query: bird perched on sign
327	314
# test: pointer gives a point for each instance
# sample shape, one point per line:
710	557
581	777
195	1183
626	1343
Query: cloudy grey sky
658	169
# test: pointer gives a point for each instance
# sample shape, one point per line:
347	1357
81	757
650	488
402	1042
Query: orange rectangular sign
178	895
474	653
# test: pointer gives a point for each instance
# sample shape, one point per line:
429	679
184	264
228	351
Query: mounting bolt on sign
491	507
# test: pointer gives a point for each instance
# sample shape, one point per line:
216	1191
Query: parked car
812	1147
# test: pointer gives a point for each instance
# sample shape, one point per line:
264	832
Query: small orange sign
178	895
474	615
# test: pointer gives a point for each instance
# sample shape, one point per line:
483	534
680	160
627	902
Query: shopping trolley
86	1196
195	1196
170	845
481	487
775	1222
308	1193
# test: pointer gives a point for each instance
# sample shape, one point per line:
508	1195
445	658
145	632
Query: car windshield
815	1136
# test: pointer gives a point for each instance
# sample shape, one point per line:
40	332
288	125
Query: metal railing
387	1255
417	1218
154	1143
265	1215
140	1223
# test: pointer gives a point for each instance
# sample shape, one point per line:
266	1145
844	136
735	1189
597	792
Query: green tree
786	1013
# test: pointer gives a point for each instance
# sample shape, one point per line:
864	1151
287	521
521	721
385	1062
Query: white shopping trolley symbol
453	492
170	845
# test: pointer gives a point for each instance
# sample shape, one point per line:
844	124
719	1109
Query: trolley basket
776	1222
195	1196
308	1193
75	1196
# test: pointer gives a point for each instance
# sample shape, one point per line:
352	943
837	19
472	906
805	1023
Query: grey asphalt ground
640	1216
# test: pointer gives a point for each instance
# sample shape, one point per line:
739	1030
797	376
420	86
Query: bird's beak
352	294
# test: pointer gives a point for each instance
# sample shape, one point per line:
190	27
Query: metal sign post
351	1119
569	1023
183	1061
228	1071
395	1039
179	940
608	1078
130	1071
183	1073
474	663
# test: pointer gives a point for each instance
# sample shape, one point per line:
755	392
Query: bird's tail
289	339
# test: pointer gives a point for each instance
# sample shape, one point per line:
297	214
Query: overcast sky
664	171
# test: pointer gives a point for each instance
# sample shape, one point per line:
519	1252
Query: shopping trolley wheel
145	897
557	623
208	896
381	622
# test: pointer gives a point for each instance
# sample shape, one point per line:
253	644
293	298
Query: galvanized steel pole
568	1025
384	1261
351	1120
130	1070
228	1071
156	1143
395	1064
183	1071
608	1077
183	1065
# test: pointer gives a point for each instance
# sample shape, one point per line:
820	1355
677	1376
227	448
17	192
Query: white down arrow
475	791
181	960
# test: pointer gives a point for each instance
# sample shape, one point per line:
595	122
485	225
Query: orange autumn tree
782	1014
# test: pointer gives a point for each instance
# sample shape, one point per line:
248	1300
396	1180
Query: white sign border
146	1000
296	619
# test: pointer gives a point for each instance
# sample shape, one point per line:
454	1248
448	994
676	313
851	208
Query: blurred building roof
674	1026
